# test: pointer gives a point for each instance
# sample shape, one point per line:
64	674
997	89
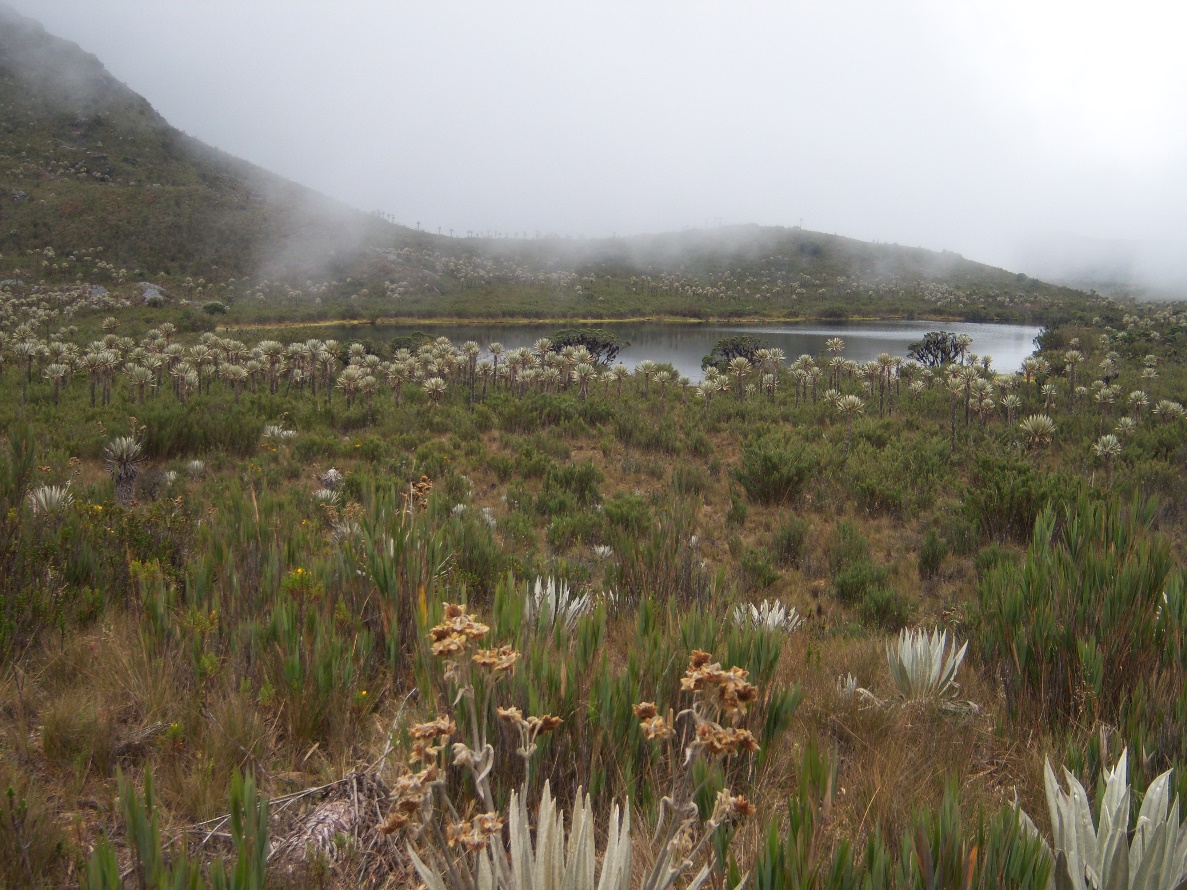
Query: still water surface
684	345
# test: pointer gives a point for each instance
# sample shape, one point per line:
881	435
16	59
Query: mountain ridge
88	167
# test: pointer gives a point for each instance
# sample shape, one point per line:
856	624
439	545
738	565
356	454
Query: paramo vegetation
282	608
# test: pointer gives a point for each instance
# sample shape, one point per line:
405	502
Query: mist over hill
90	170
1144	269
88	163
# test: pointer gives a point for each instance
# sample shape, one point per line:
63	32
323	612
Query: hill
96	186
86	164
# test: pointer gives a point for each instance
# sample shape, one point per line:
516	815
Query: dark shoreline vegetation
287	610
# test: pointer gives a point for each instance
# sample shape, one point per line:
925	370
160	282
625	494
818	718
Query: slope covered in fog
87	163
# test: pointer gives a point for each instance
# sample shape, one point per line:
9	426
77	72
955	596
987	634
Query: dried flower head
448	645
657	729
455	630
442	726
497	661
734	693
645	710
741	806
395	821
719	741
540	725
511	715
730	806
417	495
425	734
408	795
475	834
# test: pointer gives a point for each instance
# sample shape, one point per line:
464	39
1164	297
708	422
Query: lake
684	345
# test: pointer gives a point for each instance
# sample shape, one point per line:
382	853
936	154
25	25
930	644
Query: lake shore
523	321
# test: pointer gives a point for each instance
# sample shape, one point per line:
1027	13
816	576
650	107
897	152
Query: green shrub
1090	622
568	487
886	608
569	529
958	532
1006	494
736	515
202	425
642	431
629	512
532	463
846	547
774	470
580	479
931	554
519	529
689	480
434	458
501	465
518	496
993	556
484	419
852	583
903	474
478	560
755	566
697	443
787	541
555	501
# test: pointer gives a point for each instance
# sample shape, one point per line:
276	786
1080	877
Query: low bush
176	430
852	583
899	476
689	480
1006	494
531	463
628	512
886	608
519	529
434	458
1085	628
846	547
989	558
568	487
756	571
787	541
738	511
957	532
774	470
569	529
931	554
501	465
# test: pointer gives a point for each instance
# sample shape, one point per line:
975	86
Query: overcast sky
981	127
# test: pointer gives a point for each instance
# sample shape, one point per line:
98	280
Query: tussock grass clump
78	733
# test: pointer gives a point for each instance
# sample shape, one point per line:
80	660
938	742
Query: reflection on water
684	345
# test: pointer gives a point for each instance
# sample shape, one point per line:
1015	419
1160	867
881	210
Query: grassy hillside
88	168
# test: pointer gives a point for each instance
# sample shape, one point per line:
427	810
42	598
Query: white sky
981	127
